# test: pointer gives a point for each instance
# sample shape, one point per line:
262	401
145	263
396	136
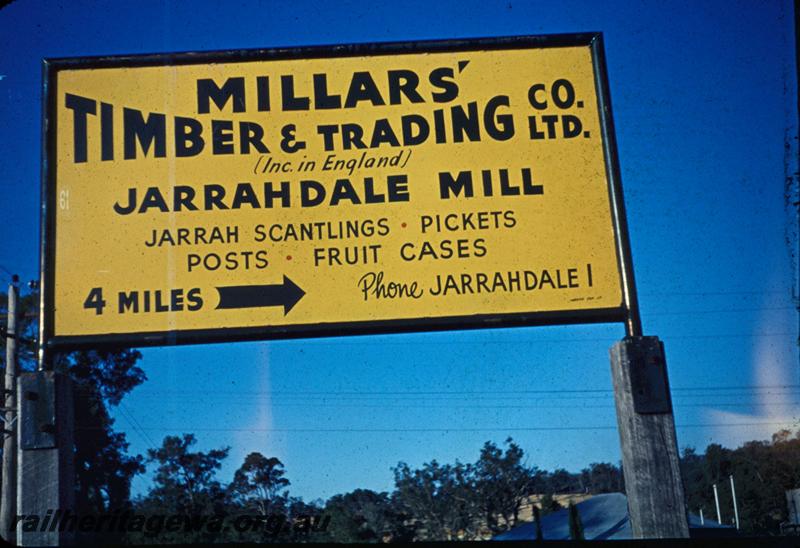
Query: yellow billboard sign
329	190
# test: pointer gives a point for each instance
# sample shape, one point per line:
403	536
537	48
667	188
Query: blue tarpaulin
604	517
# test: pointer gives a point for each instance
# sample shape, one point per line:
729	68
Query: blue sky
704	98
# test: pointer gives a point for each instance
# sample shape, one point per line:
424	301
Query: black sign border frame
627	312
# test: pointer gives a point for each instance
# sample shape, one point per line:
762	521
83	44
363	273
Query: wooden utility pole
653	482
8	496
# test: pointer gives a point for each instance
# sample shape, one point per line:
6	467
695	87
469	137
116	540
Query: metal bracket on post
649	377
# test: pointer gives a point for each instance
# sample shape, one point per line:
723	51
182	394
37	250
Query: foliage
184	484
366	516
549	504
104	470
259	487
184	480
560	481
254	508
762	472
258	484
602	477
441	498
468	501
502	482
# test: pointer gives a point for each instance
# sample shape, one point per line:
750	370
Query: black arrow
286	295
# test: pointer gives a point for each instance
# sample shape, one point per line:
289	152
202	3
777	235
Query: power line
784	398
139	433
483	342
740	387
650	313
408	400
609	406
135	424
719	311
494	402
700	293
439	430
787	388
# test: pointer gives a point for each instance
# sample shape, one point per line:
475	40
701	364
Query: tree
366	516
185	485
440	498
258	484
468	500
762	470
561	481
103	468
550	504
502	484
308	521
602	477
185	481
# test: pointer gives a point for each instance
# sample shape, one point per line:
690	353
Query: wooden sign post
647	436
46	458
